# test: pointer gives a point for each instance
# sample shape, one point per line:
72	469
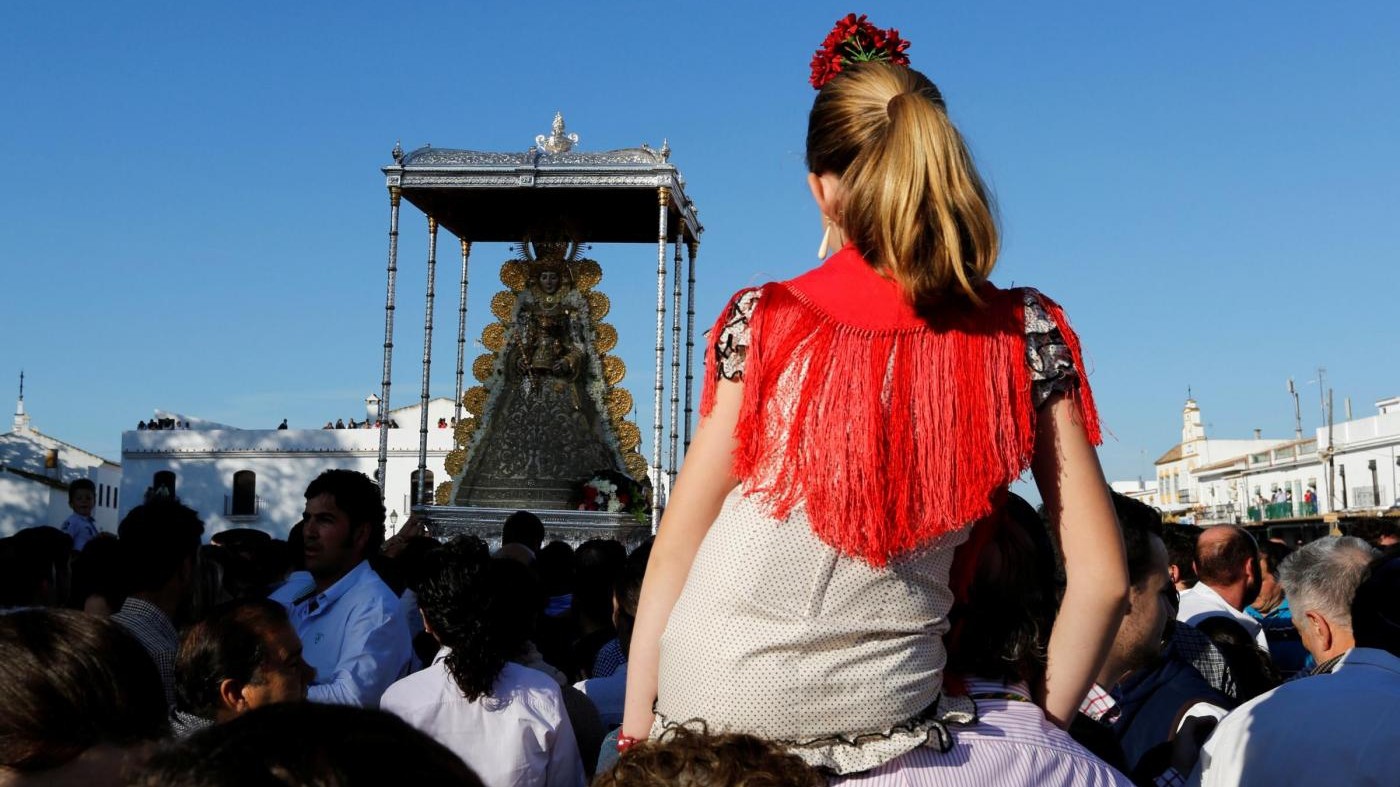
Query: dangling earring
825	248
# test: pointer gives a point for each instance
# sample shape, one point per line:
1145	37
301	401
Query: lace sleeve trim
732	344
1047	353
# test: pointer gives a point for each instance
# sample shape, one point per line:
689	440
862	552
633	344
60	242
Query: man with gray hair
1320	579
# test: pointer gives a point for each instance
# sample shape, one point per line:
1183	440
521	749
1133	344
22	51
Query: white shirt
519	736
1201	601
1341	728
81	528
607	694
353	633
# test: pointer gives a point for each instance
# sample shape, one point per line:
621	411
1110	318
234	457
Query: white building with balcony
1353	467
257	478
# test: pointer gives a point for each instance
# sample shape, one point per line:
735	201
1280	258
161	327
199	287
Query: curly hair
458	592
691	758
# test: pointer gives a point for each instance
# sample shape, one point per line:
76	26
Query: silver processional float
547	427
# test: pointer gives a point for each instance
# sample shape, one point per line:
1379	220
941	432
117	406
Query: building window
163	485
413	488
245	494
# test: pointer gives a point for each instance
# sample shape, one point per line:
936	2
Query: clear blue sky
194	217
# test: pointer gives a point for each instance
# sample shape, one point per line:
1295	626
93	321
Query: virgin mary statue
544	429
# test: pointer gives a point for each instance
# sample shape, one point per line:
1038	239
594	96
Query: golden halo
628	436
455	460
464	430
483	366
587	274
443	494
613	369
636	466
513	275
493	337
604	337
475	400
502	304
598	305
619	403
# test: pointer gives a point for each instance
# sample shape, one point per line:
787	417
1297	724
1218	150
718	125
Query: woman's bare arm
704	481
1072	485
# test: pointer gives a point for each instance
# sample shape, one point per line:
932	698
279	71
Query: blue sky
194	217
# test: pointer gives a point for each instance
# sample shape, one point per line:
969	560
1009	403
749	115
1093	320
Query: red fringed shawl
890	430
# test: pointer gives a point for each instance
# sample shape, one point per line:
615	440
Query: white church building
36	470
256	478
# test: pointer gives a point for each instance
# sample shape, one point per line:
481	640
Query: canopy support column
664	200
691	248
394	195
462	330
675	360
423	491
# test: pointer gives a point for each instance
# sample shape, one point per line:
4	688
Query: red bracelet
625	742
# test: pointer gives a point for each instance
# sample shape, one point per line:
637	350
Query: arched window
413	488
245	494
163	485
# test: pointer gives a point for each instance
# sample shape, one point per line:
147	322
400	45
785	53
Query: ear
1322	630
231	695
428	627
826	192
1175	572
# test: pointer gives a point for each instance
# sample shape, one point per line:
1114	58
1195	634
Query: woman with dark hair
506	721
79	699
856	421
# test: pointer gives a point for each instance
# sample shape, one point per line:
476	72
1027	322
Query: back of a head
1003	627
156	538
1375	610
34	567
307	745
1322	576
1181	550
458	597
914	205
627	592
1140	523
357	496
523	528
1221	554
694	759
68	682
230	644
556	568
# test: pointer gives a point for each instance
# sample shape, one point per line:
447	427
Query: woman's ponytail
913	203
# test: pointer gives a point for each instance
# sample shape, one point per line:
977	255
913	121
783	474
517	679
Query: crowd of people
842	589
151	658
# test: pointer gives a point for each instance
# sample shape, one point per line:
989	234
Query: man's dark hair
1375	610
1272	554
555	565
523	528
157	537
1003	627
1221	561
356	495
231	644
68	682
460	601
1139	522
1181	550
79	485
301	744
34	567
628	591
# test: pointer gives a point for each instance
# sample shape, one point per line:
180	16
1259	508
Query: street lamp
393	522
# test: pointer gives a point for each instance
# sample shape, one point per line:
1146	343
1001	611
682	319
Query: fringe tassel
889	438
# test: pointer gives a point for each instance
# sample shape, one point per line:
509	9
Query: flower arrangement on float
615	493
855	40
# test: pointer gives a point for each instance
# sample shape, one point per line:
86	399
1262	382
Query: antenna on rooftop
1297	413
21	385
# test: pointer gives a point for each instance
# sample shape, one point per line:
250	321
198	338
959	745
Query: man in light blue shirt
349	621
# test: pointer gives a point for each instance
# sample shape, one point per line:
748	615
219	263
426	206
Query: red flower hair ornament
855	40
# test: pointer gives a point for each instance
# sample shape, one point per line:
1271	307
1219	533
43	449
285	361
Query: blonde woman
857	420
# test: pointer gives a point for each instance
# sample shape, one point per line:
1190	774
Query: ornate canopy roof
604	197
